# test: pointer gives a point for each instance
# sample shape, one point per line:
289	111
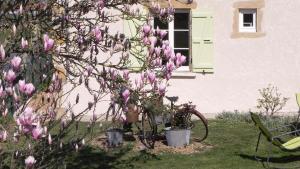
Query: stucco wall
244	65
241	65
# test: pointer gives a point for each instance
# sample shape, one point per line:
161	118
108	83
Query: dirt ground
160	146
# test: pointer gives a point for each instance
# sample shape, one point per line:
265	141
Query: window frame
171	37
248	29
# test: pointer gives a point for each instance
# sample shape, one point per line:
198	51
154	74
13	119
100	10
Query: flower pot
132	115
114	137
178	137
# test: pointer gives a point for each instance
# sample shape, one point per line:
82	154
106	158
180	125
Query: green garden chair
276	140
298	102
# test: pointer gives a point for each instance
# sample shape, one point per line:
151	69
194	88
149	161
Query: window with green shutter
137	52
202	41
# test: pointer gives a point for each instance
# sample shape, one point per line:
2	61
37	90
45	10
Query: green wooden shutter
202	41
137	52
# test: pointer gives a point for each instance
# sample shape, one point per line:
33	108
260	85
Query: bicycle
182	112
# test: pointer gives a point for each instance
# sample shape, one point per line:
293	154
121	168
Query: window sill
247	34
183	73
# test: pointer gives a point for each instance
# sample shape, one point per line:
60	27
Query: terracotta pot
132	115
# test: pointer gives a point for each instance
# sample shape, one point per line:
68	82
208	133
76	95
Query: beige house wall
242	64
245	64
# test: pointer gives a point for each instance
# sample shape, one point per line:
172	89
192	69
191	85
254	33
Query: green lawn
233	148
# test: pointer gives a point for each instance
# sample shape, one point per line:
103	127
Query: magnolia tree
38	36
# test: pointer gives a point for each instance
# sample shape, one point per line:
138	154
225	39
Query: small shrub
234	116
271	100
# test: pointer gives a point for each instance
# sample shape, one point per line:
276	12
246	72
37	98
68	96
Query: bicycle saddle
172	98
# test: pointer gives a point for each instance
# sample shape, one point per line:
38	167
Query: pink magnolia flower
113	74
22	86
157	51
3	135
10	76
26	119
158	62
153	41
88	71
170	66
30	161
2	92
146	29
48	43
162	89
21	9
151	77
157	31
138	83
101	4
162	34
4	114
49	139
37	132
142	76
180	59
126	74
146	40
29	89
2	52
16	97
168	75
16	63
14	29
9	90
76	147
126	95
97	34
168	52
24	43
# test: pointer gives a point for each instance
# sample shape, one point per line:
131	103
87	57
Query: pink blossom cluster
26	88
29	124
48	43
159	50
161	12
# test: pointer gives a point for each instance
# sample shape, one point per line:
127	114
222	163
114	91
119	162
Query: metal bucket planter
178	137
114	137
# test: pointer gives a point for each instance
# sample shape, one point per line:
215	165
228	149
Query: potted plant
115	133
178	135
156	107
114	137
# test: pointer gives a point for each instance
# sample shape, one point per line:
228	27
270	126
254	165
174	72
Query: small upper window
247	20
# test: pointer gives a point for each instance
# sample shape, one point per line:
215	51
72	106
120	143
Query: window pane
181	39
181	21
248	20
185	53
160	24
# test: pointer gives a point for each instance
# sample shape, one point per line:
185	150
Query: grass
233	148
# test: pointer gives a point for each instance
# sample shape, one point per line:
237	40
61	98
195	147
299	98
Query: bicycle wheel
148	130
199	125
